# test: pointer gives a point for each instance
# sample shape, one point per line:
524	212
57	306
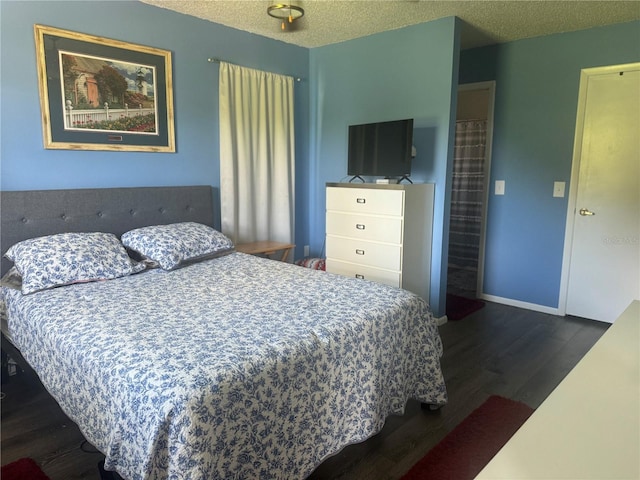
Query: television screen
381	149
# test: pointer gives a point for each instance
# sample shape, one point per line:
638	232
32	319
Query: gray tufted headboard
28	214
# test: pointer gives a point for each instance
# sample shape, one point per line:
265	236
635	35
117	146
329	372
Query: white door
604	269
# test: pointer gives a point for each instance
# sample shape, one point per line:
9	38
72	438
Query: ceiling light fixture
285	12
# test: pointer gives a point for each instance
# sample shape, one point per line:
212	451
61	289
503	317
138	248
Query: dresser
381	233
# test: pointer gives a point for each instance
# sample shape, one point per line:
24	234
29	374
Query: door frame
491	86
585	74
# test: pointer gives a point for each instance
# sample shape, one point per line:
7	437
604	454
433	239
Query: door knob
585	212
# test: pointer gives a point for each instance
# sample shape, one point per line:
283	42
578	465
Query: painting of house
85	86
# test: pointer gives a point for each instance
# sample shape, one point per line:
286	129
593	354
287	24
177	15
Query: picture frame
102	94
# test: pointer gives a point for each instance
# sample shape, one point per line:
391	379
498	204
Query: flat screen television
381	149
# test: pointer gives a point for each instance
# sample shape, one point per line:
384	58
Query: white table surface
589	427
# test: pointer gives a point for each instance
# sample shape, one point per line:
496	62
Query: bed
224	366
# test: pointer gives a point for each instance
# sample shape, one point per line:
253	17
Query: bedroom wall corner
26	165
405	73
537	83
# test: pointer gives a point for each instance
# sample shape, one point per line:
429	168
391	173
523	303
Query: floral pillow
67	258
176	244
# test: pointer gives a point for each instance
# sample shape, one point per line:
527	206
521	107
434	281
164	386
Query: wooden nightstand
266	248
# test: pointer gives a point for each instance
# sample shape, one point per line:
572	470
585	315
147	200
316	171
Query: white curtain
257	155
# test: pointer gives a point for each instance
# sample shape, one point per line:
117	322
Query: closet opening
469	195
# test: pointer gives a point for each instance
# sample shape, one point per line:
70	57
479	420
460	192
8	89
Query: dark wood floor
500	350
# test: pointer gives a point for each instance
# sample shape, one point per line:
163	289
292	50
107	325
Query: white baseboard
441	320
517	303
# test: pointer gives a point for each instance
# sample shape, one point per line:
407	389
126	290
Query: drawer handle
361	200
360	226
361	277
359	252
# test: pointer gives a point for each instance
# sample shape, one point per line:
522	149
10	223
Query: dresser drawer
364	200
367	273
364	227
378	255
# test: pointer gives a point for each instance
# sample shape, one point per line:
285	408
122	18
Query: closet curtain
257	155
467	195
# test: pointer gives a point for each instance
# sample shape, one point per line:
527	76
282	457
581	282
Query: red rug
459	307
23	469
470	445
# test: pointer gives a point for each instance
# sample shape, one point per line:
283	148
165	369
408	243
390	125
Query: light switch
558	189
499	187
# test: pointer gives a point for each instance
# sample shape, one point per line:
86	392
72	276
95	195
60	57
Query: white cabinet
381	233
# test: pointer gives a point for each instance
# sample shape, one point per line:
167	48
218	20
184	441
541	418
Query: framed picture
103	94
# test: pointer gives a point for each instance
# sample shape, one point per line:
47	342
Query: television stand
405	177
357	176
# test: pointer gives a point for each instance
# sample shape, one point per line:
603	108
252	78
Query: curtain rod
217	60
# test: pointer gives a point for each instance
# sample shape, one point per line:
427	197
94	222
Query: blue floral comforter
238	367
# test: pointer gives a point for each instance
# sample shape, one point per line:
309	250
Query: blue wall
537	83
25	164
410	72
406	73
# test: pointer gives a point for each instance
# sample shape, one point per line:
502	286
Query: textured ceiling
485	21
